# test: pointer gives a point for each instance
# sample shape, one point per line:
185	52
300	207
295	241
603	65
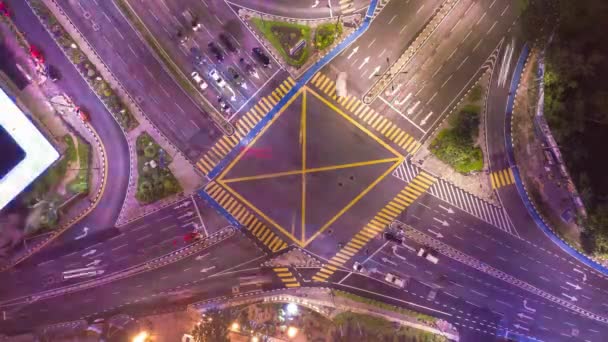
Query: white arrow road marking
399	103
244	85
522	315
576	286
409	247
183	205
91	252
207	269
188	214
443	223
365	61
256	75
527	307
583	273
93	263
438	235
521	327
389	261
413	108
449	210
397	255
374	72
353	52
85	230
572	298
200	257
393	91
423	121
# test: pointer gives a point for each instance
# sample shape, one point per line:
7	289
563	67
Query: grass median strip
173	69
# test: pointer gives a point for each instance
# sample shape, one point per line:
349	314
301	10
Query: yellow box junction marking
366	114
301	241
286	276
381	220
502	178
248	220
245	124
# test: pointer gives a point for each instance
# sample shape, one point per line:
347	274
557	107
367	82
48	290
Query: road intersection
311	170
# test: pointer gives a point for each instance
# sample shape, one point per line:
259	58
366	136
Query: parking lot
215	50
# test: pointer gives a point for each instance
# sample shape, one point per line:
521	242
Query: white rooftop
39	153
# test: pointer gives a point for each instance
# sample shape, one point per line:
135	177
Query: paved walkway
184	171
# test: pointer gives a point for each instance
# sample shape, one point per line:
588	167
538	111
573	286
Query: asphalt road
106	212
169	108
191	279
307	9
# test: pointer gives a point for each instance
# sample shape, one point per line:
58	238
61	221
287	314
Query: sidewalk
185	172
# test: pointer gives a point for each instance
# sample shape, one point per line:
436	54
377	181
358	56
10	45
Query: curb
100	189
522	190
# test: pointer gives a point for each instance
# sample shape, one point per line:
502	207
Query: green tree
214	327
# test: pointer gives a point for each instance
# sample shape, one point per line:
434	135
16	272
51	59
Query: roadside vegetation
359	327
284	36
457	145
92	76
326	34
155	180
576	99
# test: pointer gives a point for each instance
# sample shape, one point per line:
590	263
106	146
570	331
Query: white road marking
393	18
420	9
119	247
505	10
461	63
491	28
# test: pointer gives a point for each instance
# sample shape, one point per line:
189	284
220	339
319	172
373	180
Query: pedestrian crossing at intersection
461	199
502	178
286	276
243	126
256	227
381	220
367	115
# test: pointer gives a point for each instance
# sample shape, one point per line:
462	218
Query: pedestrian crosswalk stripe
314	78
382	124
350	103
284	88
501	178
331	90
272	100
324	83
391	132
388	125
268	105
319	80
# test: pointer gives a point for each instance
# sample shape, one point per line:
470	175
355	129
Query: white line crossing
460	198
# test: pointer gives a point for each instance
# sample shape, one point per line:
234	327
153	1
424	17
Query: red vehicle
36	54
4	10
83	115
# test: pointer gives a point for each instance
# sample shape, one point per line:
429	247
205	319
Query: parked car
82	114
393	279
36	54
224	107
53	73
227	42
215	50
196	25
248	67
428	255
236	78
199	80
217	78
261	57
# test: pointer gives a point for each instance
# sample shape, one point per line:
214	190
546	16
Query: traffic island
154	179
298	43
457	150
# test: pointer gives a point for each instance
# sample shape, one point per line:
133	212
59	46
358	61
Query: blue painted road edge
299	84
519	184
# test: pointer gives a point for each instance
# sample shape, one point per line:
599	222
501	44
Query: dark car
261	57
390	236
181	37
236	78
215	50
248	67
227	42
53	73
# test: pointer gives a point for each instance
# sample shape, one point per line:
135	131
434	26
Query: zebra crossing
286	277
419	184
380	7
256	227
346	6
243	126
502	178
351	104
461	199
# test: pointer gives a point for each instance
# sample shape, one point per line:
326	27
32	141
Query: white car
427	255
217	78
199	80
359	268
391	278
